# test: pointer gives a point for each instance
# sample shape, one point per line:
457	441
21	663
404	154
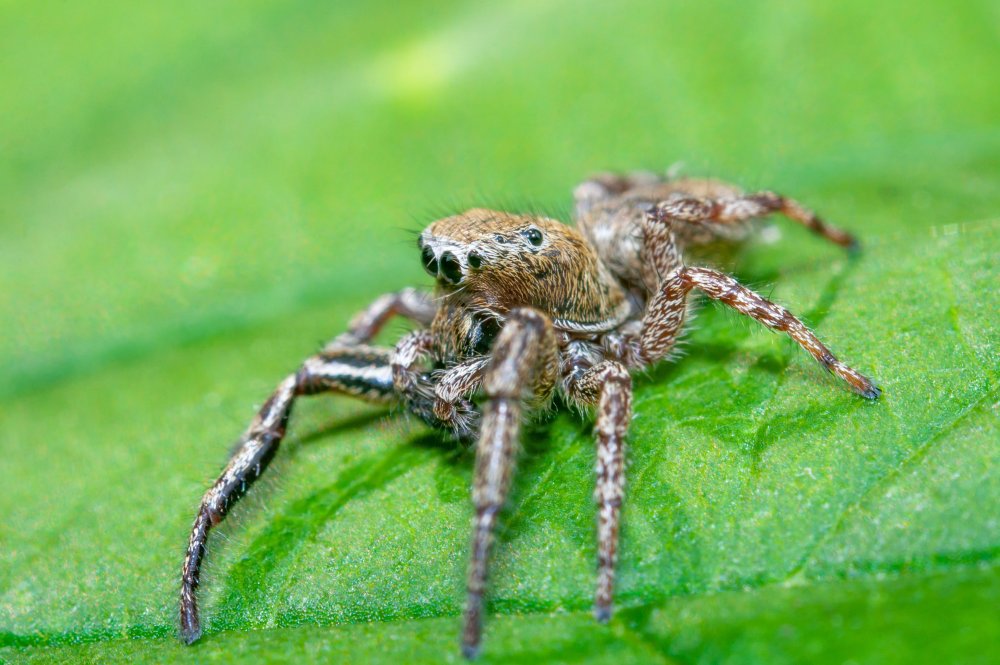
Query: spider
526	307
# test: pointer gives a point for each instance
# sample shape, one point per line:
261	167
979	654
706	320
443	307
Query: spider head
476	248
499	261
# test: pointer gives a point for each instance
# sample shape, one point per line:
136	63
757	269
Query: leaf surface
191	205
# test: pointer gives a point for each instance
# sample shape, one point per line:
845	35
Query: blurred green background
193	197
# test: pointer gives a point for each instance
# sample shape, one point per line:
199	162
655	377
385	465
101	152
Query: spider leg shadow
355	421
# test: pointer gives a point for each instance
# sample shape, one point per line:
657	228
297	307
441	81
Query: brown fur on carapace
509	261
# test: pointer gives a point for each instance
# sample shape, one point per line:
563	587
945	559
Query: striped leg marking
361	371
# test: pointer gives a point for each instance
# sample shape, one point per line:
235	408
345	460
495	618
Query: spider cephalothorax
498	262
526	307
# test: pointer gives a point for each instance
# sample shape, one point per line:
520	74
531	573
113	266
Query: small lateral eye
534	236
474	260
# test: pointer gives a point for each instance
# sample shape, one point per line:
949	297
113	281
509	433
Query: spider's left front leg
523	367
608	386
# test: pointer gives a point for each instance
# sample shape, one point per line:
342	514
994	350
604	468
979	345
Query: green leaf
192	199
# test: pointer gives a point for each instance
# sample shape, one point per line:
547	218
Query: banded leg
661	251
523	364
665	316
409	303
609	386
726	211
361	371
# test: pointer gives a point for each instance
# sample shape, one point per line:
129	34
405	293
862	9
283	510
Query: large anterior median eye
451	269
534	236
430	263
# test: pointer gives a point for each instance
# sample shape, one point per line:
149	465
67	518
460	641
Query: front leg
523	365
359	371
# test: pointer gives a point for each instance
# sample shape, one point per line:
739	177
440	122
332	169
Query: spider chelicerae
526	307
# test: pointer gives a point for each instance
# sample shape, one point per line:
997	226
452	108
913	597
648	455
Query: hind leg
666	311
604	186
718	208
709	217
725	208
411	304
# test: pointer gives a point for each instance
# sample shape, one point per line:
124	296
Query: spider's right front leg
360	371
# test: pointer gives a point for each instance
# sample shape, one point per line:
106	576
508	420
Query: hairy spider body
525	308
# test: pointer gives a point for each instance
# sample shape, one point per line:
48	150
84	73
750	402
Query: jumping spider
526	307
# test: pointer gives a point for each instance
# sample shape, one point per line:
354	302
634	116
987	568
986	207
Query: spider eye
534	236
474	260
451	270
430	263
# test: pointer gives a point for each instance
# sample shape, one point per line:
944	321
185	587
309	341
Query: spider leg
361	371
609	386
725	289
523	365
409	303
720	206
665	313
603	186
710	217
717	214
